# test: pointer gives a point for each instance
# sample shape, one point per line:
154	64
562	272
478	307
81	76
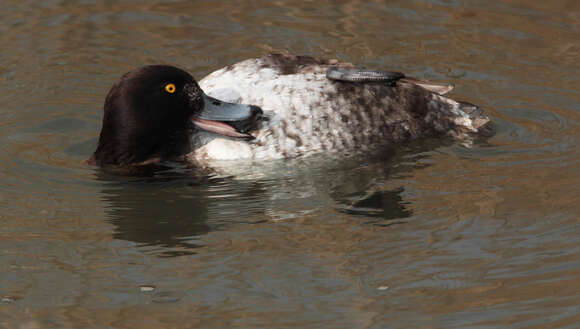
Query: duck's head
151	113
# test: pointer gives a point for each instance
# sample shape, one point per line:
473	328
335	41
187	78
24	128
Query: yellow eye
170	88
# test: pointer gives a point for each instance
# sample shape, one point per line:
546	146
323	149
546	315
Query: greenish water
431	236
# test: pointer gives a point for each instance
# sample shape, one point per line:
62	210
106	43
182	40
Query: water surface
428	235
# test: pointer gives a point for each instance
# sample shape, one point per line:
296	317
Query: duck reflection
172	210
384	205
368	191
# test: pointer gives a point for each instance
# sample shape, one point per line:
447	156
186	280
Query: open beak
228	119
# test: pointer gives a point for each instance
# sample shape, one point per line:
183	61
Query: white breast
295	105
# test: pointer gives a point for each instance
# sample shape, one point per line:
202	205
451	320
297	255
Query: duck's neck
119	146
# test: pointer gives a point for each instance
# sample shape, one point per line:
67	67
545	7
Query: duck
276	106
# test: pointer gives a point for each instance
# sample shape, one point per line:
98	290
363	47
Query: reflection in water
172	209
374	190
156	216
386	205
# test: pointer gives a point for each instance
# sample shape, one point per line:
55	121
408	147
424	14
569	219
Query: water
430	235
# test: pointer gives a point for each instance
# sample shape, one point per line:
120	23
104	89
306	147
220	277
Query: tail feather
439	88
476	114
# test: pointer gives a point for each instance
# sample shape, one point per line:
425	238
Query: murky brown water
433	236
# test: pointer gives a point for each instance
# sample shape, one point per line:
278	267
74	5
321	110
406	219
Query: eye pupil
170	88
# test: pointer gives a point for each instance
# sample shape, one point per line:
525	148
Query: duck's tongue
219	128
228	119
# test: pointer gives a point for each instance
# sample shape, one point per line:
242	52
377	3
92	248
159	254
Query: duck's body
310	113
158	113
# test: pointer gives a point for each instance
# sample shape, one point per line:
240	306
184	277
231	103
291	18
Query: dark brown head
152	112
